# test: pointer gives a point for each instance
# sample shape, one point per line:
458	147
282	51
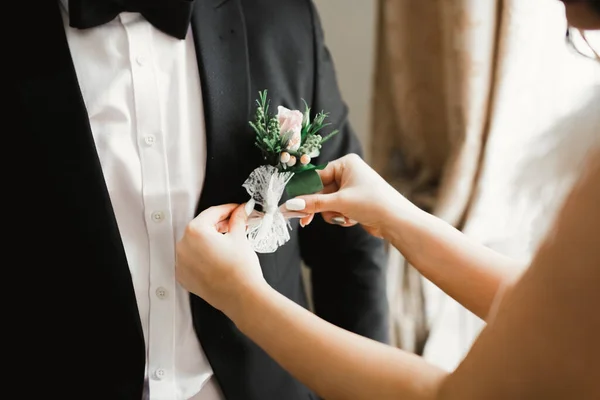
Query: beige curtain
436	68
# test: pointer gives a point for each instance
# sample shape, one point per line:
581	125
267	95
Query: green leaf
304	132
306	118
332	134
257	129
306	182
308	167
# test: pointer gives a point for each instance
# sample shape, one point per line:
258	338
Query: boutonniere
289	142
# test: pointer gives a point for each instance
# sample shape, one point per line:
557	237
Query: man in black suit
131	120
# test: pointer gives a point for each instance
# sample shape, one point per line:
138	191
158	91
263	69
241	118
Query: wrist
247	300
400	214
413	232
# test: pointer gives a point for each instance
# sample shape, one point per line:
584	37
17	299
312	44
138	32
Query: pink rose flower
290	121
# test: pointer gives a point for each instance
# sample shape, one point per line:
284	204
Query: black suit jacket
79	321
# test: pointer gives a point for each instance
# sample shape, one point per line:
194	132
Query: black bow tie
170	16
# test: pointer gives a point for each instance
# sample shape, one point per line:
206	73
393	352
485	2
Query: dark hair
595	4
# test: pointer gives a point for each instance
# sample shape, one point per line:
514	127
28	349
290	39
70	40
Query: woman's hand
353	193
219	267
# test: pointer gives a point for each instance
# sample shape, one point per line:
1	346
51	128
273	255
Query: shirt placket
157	211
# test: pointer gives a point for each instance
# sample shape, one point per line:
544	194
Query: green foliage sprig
273	144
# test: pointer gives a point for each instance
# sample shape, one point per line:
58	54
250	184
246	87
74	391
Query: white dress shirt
142	91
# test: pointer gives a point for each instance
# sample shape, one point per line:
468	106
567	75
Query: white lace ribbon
268	229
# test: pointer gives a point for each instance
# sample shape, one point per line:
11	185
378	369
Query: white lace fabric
268	229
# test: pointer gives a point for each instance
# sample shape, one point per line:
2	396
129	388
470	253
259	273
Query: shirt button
159	374
161	293
157	216
150	140
140	60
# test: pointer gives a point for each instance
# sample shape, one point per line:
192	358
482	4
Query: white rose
290	121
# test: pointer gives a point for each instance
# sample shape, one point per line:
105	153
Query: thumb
314	203
212	216
238	220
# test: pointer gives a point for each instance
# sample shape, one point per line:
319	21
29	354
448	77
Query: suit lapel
60	132
221	46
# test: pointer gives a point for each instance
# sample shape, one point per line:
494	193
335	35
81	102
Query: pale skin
540	340
540	344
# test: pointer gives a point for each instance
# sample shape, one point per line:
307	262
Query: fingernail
302	224
295	204
338	220
249	207
351	221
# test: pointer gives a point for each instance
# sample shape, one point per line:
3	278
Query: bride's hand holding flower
215	260
354	193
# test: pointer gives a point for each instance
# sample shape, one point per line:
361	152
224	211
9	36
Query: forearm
466	270
337	364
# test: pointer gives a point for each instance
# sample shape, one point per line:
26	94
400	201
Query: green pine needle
332	134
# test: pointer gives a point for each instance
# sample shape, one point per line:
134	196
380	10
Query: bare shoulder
576	233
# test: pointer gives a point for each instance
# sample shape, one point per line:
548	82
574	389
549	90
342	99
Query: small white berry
305	159
285	157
